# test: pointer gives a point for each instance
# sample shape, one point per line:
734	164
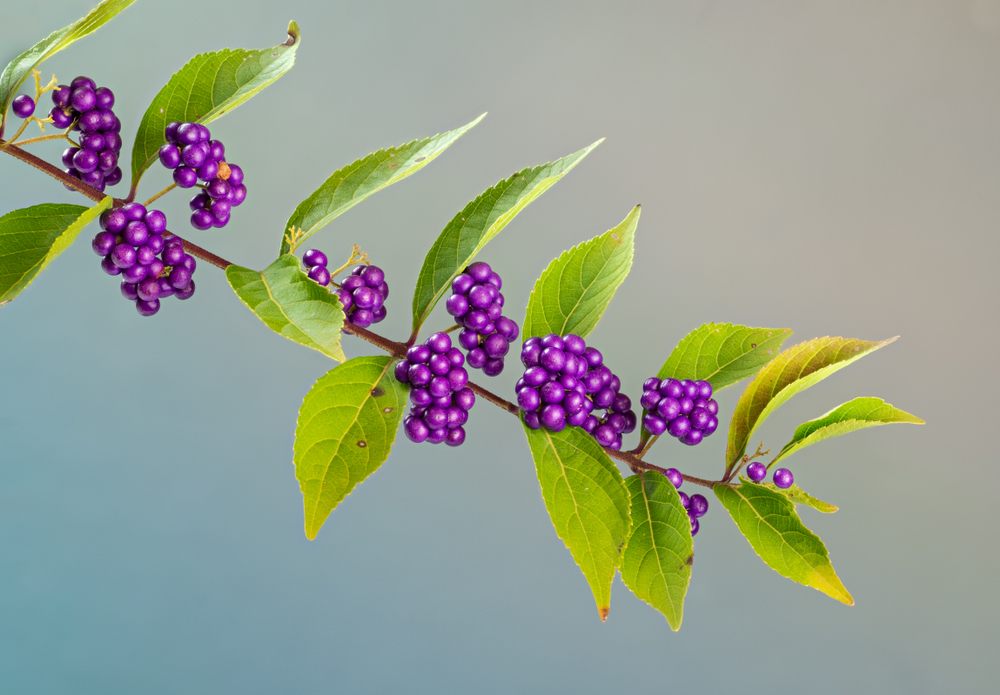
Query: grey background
829	167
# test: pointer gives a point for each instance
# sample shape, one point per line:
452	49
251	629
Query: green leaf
574	291
657	561
800	496
856	414
208	86
769	522
291	304
31	237
346	427
18	70
481	220
355	182
791	372
587	502
722	354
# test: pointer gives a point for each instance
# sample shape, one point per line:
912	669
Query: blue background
829	167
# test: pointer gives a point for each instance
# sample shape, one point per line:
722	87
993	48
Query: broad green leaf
769	522
355	182
573	292
800	496
722	354
587	502
291	304
18	70
657	561
854	415
208	86
346	427
481	220
31	237
791	372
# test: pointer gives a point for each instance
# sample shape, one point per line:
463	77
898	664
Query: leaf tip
294	34
602	612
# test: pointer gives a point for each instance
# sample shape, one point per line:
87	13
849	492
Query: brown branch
56	173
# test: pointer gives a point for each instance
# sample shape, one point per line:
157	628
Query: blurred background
827	167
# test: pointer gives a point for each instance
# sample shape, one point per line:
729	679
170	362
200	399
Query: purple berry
314	257
60	119
147	308
552	416
416	430
83	99
82	81
61	95
148	289
202	219
85	161
185	177
218	189
217	151
496	346
479	271
783	478
675	477
170	156
699	505
236	177
187	133
439	342
493	367
90	121
193	156
694	526
320	274
679	427
692	438
108	266
107	161
699	418
105	99
373	276
756	471
419	374
103	243
654	425
123	256
113	178
462	284
135	233
179	277
24	106
129	291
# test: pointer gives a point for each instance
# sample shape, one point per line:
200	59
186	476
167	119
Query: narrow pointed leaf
18	70
770	523
477	223
657	562
349	186
723	354
291	304
854	415
792	372
800	496
572	294
31	237
346	427
208	86
587	502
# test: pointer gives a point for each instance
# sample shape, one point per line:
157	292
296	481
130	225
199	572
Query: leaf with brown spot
345	433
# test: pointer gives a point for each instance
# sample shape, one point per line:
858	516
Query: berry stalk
67	180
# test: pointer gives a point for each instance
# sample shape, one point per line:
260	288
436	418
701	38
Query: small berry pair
782	477
84	107
682	408
152	267
565	382
438	393
477	305
696	505
193	155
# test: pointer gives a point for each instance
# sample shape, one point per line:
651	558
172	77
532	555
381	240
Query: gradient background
828	167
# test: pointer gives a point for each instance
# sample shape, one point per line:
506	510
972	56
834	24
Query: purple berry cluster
362	293
192	154
83	106
782	477
696	505
477	305
682	408
438	392
565	382
132	245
